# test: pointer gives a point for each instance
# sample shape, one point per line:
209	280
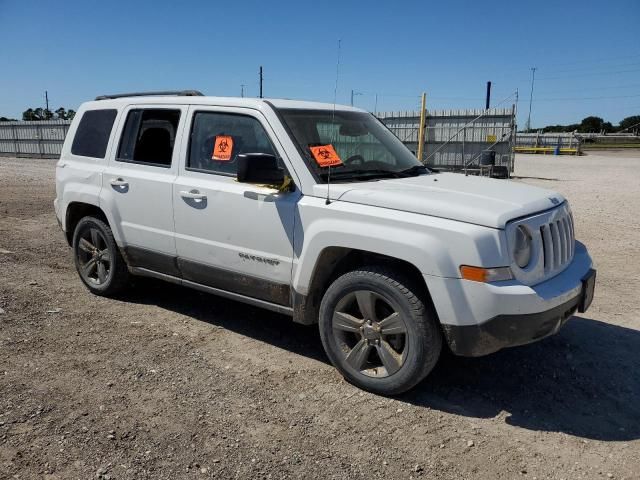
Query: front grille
557	242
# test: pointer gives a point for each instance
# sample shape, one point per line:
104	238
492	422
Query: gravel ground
170	383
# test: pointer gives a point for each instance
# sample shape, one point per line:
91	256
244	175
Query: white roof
256	103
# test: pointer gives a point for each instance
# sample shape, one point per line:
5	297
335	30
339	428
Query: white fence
42	139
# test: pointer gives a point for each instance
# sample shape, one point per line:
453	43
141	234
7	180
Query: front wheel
377	331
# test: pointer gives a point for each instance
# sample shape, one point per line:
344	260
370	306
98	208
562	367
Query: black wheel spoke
346	322
105	256
102	272
95	237
367	304
89	267
392	325
359	354
86	246
391	360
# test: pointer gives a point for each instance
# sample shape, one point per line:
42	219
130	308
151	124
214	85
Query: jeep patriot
318	212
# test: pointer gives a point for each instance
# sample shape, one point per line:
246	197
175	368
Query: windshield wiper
362	173
371	173
414	171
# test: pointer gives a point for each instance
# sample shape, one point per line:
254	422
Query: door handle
119	182
193	194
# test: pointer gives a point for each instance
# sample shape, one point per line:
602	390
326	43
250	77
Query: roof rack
178	93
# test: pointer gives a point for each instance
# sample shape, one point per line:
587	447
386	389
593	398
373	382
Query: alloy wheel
371	333
94	258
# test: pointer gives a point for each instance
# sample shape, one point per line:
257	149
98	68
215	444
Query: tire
357	347
98	260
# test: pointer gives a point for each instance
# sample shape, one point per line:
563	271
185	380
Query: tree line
596	125
43	114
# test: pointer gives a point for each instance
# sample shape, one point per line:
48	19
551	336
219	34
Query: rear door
232	236
137	184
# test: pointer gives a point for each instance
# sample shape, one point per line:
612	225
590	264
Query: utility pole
46	99
260	81
533	79
423	119
353	93
242	85
488	101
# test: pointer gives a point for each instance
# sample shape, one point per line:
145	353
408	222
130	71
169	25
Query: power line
584	98
593	63
590	74
592	60
597	67
607	87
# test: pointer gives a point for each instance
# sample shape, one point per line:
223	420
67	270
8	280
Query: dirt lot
171	383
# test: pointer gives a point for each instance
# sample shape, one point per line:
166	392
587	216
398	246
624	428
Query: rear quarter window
92	135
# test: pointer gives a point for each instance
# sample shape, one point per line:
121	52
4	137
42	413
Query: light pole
533	79
352	94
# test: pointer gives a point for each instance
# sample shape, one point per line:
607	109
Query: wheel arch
78	210
336	261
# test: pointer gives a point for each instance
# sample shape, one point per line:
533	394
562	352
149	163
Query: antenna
533	79
333	116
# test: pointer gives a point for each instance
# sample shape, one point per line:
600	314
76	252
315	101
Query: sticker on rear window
325	156
222	148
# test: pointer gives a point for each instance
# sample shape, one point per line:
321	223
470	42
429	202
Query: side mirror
259	168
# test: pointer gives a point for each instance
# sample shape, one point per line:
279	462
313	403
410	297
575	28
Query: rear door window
92	136
149	136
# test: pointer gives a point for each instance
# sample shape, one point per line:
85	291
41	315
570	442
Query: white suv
318	212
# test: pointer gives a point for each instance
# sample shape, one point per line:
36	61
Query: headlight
522	249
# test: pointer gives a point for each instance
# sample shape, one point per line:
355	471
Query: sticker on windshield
222	148
326	156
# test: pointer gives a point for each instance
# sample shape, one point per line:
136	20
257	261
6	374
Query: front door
138	185
232	236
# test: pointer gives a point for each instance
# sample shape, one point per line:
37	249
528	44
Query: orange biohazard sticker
326	156
222	148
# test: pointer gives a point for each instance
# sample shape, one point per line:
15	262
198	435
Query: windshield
355	145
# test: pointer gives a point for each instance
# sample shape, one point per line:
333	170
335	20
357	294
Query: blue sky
587	52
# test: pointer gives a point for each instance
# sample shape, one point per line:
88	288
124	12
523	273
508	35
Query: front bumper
508	330
481	318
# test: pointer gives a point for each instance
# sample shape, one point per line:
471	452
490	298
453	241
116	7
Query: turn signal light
480	274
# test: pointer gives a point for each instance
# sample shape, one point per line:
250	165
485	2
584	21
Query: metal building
455	139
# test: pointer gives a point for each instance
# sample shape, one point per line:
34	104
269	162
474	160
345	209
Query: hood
478	200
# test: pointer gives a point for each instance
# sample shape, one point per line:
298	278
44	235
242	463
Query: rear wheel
97	257
378	332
